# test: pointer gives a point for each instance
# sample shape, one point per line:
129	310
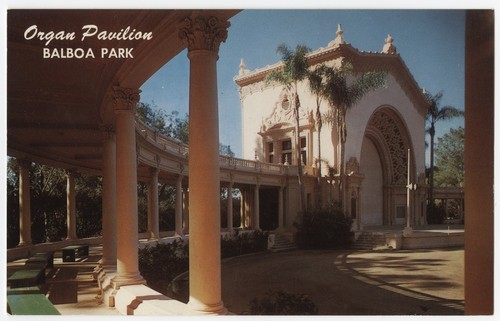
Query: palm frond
449	112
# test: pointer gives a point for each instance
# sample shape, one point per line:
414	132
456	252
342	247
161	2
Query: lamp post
409	187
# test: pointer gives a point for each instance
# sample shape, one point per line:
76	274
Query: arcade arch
384	166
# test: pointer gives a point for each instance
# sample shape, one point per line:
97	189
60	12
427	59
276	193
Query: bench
45	259
25	290
71	252
27	278
30	304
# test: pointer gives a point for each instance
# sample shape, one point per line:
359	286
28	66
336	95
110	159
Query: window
303	142
286	151
303	150
285	104
270	152
286	145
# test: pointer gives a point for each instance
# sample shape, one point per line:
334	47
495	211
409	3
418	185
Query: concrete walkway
417	282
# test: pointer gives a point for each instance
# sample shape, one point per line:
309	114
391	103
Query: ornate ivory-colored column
185	211
230	207
242	208
153	206
108	198
125	101
71	205
203	36
178	206
256	207
24	202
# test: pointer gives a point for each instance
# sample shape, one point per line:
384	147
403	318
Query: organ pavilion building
385	146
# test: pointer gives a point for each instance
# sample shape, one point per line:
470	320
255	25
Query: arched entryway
384	166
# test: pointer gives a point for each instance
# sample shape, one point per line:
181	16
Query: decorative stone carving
352	166
389	48
393	138
108	132
243	70
125	99
339	40
204	33
284	113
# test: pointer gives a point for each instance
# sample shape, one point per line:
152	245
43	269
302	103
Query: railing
162	142
182	150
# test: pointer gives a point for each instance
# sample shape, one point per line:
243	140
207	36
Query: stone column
153	206
125	101
242	208
71	205
178	207
109	198
230	207
281	222
203	36
256	208
185	210
24	202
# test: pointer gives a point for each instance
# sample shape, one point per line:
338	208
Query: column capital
154	171
70	172
204	33
108	132
125	99
24	163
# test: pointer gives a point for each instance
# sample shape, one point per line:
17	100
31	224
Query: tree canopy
449	152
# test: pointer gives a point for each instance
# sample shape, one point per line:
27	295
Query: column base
122	280
407	231
202	308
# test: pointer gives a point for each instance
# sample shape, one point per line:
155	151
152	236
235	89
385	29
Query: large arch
384	165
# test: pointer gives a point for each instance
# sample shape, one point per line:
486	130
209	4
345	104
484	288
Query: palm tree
316	86
436	113
342	94
293	70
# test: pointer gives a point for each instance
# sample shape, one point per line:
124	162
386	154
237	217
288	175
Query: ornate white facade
381	128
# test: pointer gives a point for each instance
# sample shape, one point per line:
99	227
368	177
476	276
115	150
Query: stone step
369	241
282	243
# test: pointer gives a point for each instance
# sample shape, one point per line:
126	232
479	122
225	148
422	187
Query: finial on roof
242	68
339	39
389	48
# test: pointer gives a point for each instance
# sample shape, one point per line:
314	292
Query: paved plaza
417	282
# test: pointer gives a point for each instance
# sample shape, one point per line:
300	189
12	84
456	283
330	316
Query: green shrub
160	264
435	214
324	228
282	303
244	243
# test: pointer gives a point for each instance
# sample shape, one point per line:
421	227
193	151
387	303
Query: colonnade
203	36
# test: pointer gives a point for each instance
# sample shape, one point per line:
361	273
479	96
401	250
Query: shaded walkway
421	282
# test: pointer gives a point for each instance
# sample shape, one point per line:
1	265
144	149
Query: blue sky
431	42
